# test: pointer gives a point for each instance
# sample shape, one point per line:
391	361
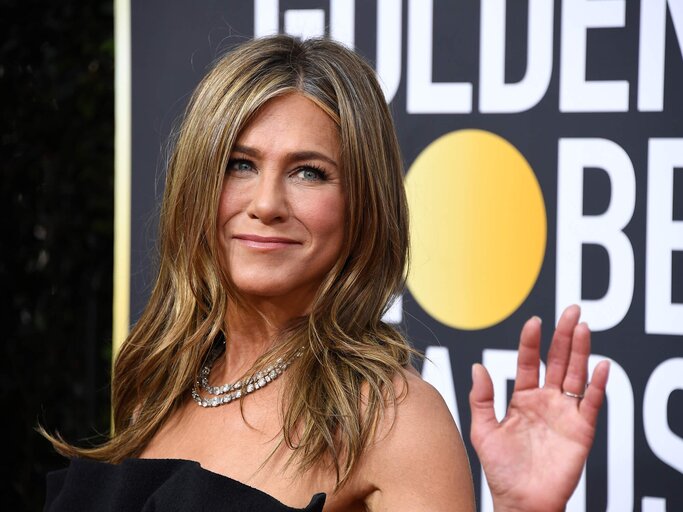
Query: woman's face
281	212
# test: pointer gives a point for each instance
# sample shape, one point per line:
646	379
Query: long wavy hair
339	389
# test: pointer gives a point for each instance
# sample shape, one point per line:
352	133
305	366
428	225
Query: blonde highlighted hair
348	349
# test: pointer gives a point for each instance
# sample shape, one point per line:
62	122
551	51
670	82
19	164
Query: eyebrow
295	156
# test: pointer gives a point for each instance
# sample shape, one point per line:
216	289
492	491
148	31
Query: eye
311	173
239	165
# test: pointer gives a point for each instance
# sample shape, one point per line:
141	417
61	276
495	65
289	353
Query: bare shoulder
417	460
418	394
421	417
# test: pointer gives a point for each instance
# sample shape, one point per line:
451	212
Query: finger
589	407
558	355
481	404
577	371
529	355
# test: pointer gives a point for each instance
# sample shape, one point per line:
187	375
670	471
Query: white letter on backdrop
437	371
575	229
495	95
266	20
620	443
342	21
304	23
652	504
665	444
664	236
502	366
310	22
651	50
576	93
620	436
389	14
425	96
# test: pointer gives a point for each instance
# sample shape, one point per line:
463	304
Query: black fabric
149	485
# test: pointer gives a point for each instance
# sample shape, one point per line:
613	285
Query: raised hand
534	457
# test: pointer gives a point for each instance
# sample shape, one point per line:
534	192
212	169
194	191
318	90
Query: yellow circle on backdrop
478	229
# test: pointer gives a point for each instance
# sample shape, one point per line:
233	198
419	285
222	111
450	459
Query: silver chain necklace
228	392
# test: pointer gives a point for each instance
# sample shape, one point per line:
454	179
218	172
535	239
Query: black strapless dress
163	485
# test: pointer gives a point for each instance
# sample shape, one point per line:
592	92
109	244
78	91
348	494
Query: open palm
534	457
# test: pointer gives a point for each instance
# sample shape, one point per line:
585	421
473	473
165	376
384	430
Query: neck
251	331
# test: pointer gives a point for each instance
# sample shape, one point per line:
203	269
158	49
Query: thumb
481	404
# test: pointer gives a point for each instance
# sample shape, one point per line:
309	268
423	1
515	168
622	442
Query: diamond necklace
228	392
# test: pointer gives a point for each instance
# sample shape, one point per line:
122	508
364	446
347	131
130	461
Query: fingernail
474	370
571	310
536	317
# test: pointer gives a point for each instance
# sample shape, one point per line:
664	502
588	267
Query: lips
265	242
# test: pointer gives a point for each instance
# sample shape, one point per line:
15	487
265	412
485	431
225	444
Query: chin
268	287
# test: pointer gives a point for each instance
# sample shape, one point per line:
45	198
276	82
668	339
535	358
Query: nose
269	199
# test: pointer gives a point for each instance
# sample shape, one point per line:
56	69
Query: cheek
227	203
227	209
326	217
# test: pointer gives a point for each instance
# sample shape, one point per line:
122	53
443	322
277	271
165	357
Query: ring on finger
573	395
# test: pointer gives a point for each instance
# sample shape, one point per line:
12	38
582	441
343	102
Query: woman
261	358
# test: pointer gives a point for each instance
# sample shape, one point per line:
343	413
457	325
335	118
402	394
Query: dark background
57	158
174	43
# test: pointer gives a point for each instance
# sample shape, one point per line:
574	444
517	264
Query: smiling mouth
265	242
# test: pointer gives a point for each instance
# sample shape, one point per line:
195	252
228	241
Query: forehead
292	122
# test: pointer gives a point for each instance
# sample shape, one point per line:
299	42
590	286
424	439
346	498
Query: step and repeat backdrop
543	151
